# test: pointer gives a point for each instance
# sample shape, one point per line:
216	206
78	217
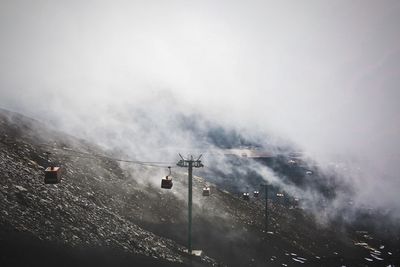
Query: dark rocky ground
102	214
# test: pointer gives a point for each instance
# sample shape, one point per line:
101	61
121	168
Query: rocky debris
102	203
69	213
78	211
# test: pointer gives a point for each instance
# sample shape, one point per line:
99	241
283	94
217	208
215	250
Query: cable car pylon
190	163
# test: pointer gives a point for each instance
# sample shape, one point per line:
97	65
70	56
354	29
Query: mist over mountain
302	96
323	77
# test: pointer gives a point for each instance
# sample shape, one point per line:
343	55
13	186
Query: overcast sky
323	74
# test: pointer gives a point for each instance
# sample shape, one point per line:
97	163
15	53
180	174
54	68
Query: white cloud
323	75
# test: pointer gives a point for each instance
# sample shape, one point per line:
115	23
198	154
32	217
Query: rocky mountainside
105	213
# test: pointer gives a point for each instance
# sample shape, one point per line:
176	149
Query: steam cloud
322	76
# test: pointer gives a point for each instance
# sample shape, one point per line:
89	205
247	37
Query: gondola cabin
280	198
52	175
206	191
166	183
246	196
296	203
256	193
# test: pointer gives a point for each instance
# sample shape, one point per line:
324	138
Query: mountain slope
80	211
105	213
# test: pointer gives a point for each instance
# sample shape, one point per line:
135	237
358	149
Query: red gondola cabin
52	175
166	183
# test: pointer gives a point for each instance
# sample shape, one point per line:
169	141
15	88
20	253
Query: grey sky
324	74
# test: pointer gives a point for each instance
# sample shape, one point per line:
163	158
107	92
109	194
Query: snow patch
297	260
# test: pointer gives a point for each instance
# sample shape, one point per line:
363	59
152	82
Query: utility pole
190	163
266	206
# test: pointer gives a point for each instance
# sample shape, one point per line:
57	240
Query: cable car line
161	164
149	164
53	176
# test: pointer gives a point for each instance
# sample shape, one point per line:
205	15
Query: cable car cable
94	156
